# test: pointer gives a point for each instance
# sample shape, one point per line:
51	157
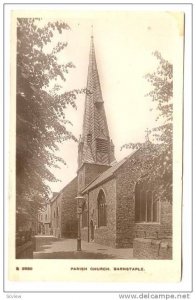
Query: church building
119	203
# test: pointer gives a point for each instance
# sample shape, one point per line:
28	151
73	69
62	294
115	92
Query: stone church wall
69	210
88	172
105	235
92	171
127	175
161	230
126	228
121	228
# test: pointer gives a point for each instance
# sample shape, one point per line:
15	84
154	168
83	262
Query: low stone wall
25	251
147	230
152	248
42	241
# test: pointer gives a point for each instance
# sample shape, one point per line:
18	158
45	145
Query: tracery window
102	209
146	203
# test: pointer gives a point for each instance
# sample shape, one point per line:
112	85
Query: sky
124	42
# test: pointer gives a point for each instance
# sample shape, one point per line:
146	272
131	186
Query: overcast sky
124	42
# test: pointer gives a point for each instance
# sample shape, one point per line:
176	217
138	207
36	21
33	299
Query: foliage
40	123
160	164
162	94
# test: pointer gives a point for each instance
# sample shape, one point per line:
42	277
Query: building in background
44	219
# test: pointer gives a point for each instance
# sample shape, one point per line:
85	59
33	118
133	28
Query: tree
41	122
162	95
160	166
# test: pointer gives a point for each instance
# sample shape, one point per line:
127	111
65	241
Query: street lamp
80	201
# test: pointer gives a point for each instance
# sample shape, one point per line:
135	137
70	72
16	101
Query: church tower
95	149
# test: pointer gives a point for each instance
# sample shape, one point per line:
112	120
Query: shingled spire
95	146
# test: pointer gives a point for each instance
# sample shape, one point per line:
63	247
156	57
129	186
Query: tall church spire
95	146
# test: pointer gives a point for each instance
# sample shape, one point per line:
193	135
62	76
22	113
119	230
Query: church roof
57	194
107	174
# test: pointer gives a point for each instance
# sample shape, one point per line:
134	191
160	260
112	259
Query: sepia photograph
98	140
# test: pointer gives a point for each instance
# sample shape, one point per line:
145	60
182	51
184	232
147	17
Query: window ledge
148	223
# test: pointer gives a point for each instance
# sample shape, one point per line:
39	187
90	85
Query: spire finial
92	31
147	134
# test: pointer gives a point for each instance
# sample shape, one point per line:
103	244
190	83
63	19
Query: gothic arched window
84	215
101	203
146	203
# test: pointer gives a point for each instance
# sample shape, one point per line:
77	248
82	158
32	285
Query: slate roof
107	174
93	118
94	122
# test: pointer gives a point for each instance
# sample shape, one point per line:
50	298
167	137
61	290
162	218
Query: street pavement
48	247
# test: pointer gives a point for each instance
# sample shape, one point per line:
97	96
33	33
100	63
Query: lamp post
80	201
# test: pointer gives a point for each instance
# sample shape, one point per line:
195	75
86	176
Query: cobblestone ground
50	247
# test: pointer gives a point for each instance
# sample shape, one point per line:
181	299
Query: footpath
49	247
